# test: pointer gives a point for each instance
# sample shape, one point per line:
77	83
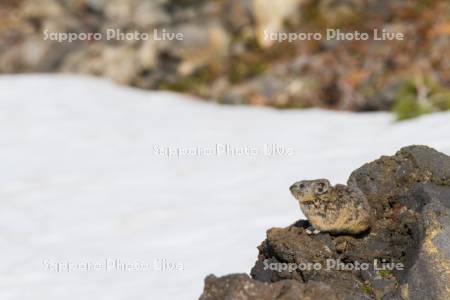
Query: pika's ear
321	186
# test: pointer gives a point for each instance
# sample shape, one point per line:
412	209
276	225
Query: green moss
189	84
197	83
186	3
250	63
292	105
314	16
311	14
426	4
407	104
441	100
385	273
181	85
242	70
367	289
408	108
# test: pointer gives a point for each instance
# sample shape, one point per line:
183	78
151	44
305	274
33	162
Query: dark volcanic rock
387	179
410	198
429	277
241	287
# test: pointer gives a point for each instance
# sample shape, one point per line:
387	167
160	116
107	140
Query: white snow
81	182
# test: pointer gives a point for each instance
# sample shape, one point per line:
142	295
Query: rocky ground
226	55
410	198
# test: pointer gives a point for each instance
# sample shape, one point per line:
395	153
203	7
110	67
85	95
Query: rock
150	14
390	178
238	14
202	43
429	277
315	256
270	16
117	62
405	255
338	13
241	287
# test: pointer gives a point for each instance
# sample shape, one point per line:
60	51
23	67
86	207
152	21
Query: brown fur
336	209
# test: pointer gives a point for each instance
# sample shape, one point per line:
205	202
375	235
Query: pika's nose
293	187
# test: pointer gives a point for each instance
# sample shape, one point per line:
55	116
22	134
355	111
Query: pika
335	209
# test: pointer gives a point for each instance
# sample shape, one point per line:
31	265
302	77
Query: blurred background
225	56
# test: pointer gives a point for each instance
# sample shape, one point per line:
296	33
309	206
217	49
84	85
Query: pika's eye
302	186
